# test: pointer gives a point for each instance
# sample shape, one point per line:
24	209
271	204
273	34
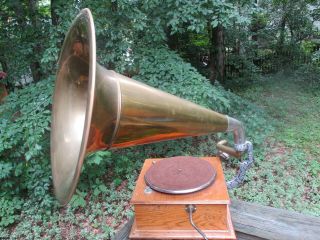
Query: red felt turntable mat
180	175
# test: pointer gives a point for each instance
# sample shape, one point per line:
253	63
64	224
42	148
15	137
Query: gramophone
97	109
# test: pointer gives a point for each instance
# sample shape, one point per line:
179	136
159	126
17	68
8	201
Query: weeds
288	175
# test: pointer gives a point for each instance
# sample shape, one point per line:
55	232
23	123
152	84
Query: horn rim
64	198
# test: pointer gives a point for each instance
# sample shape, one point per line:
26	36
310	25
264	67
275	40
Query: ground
287	173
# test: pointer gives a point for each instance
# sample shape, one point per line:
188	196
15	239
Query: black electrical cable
191	209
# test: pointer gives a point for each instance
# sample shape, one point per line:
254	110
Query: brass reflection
95	109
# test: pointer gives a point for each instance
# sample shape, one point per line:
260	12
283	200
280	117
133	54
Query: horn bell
96	109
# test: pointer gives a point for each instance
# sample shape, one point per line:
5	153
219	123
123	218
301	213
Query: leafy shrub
164	69
24	128
309	74
8	210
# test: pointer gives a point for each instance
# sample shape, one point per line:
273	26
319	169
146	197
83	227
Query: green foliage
192	32
20	25
24	126
78	200
133	38
96	164
315	168
9	210
25	118
287	170
30	40
308	46
165	70
309	74
197	14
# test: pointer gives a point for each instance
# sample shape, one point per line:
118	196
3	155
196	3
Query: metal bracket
244	166
225	151
148	190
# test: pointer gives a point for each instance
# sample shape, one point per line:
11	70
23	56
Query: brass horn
95	109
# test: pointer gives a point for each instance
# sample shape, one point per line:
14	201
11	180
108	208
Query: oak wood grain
136	233
163	216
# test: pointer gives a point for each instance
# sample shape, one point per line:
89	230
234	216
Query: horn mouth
73	105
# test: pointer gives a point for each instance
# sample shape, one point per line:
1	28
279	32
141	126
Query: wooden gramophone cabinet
164	216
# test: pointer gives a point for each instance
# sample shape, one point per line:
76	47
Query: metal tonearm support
240	147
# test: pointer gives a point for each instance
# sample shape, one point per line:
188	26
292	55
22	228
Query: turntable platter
180	175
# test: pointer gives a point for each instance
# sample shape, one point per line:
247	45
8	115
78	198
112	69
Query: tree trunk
281	58
36	49
217	54
173	41
36	71
293	39
4	66
54	9
282	30
282	34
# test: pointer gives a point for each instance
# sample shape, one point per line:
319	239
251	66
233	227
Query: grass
287	173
